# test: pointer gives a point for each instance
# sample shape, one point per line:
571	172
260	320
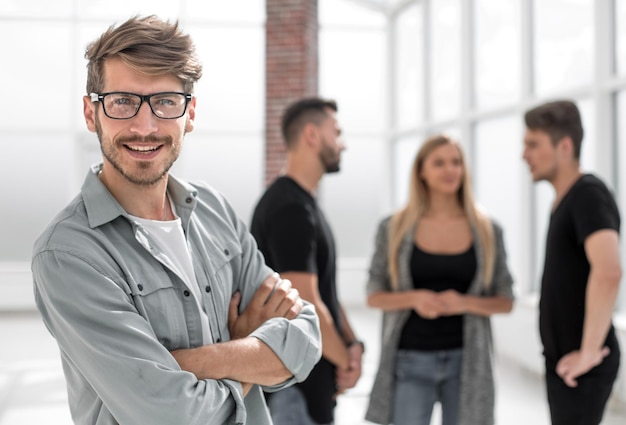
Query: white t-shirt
170	239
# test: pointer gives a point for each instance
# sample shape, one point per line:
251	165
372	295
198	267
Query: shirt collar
102	207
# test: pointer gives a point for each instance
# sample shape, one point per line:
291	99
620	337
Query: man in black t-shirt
581	271
297	242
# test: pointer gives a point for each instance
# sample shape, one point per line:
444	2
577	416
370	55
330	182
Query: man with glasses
144	278
581	272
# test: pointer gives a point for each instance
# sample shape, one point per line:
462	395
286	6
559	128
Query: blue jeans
288	407
423	378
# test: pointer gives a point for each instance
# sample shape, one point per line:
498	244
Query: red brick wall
291	69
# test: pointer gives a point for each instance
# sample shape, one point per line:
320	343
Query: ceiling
385	6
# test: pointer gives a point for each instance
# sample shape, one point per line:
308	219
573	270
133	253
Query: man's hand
347	378
577	363
274	298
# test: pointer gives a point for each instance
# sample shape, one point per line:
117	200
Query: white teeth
143	148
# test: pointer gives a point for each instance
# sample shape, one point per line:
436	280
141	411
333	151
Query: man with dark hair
297	241
581	271
144	277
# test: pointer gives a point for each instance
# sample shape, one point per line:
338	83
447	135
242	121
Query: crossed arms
117	368
245	358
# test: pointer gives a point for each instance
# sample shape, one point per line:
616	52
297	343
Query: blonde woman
438	272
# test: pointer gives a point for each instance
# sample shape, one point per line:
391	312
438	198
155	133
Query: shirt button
188	200
207	288
140	287
186	293
227	252
218	340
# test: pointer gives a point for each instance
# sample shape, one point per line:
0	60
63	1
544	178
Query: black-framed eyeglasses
123	105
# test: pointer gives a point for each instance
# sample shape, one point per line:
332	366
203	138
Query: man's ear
89	111
191	115
567	145
310	134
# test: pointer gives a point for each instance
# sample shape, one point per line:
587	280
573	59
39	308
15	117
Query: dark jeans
583	405
288	407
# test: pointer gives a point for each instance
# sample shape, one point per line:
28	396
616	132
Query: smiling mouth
143	149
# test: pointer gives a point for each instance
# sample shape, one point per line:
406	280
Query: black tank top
438	272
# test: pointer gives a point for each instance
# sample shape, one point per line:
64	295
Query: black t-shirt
294	236
438	273
586	208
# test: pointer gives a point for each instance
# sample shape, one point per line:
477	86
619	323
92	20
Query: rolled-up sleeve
297	342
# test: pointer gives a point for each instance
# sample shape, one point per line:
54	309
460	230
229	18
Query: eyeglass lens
126	105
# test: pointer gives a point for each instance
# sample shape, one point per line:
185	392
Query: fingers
233	309
570	381
285	301
431	315
346	378
431	305
295	309
279	292
431	310
275	297
605	352
449	302
568	377
576	364
264	291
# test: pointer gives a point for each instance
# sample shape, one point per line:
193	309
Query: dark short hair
302	112
558	119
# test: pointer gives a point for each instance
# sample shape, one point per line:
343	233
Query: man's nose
145	122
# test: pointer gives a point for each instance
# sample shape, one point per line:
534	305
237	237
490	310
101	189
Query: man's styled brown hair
558	119
302	112
149	45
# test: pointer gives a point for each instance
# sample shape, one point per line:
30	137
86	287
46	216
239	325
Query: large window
620	37
505	57
563	44
353	58
621	159
444	58
497	52
409	67
498	174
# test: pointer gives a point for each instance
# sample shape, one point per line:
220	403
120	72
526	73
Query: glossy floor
32	388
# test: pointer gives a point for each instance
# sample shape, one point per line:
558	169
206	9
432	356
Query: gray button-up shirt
117	311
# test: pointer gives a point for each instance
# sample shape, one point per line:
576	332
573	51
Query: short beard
143	165
327	158
332	168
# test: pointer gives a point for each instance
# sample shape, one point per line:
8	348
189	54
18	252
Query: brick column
291	33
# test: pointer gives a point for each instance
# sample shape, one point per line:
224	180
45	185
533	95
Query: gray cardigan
477	383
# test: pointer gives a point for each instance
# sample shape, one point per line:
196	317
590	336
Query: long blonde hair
406	218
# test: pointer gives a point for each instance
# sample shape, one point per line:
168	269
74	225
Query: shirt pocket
222	263
157	299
